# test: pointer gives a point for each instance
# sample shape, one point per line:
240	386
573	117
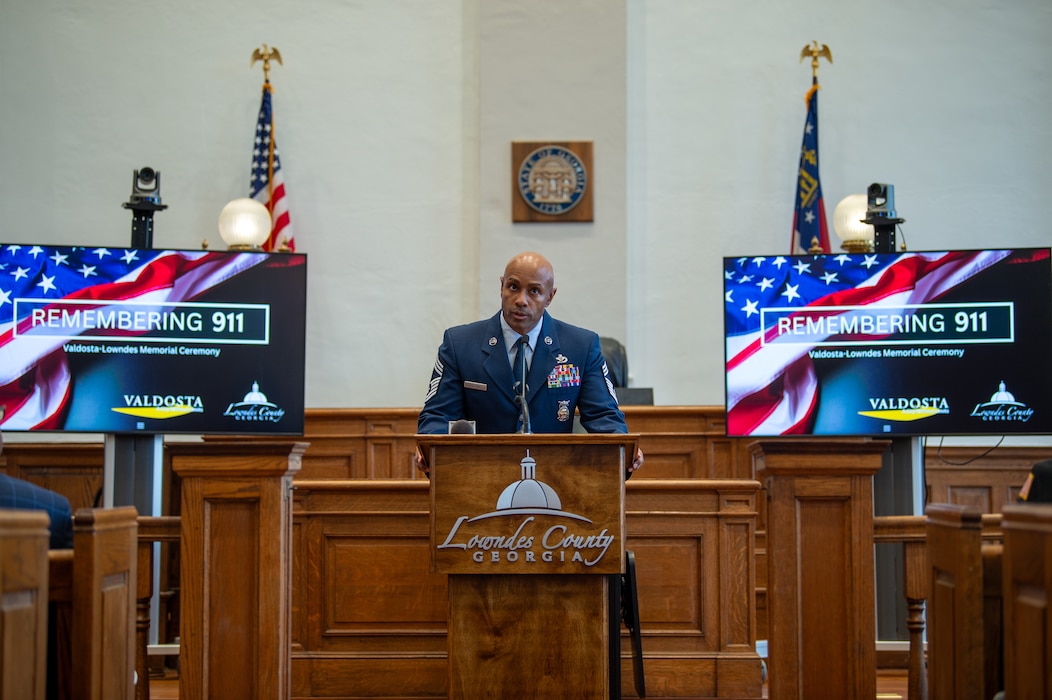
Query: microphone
462	427
521	398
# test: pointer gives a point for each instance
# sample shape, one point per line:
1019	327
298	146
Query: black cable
938	453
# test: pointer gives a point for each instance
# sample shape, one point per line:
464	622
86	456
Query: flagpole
274	188
815	52
810	229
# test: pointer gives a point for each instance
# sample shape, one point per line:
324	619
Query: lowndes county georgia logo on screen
122	340
936	343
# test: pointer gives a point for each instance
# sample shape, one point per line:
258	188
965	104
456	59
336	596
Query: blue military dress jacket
473	380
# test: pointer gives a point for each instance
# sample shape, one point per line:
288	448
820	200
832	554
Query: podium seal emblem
552	180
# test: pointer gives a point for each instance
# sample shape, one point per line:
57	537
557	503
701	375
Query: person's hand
421	462
637	461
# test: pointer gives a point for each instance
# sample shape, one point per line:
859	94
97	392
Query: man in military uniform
475	379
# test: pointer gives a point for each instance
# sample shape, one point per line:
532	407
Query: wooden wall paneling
23	603
375	617
670	456
695	570
378	443
967	476
687	442
71	469
355	443
1027	591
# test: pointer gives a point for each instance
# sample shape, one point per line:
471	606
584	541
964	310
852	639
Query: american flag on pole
35	381
772	387
266	182
809	217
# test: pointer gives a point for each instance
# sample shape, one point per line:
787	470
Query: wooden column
820	592
236	559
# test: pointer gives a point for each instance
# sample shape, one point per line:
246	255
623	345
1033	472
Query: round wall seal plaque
552	180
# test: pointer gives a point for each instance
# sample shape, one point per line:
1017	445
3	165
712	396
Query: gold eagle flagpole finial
265	54
815	52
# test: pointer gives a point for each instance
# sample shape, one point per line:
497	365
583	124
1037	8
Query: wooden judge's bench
353	593
370	617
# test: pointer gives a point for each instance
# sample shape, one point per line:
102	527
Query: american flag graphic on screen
34	372
772	388
267	182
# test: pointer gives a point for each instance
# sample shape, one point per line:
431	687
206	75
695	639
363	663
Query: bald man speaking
484	369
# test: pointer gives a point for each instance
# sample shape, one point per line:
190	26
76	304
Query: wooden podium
530	529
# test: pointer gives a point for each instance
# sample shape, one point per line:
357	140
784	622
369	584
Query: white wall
557	71
949	101
395	119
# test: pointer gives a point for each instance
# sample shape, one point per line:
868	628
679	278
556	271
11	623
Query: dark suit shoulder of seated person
473	377
1038	485
19	494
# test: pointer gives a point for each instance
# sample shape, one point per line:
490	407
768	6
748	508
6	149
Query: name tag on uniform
477	386
564	376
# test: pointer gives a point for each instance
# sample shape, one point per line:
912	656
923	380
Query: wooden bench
955	606
93	596
1027	589
23	603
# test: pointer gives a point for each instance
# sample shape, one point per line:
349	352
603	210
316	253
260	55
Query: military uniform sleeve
445	392
597	403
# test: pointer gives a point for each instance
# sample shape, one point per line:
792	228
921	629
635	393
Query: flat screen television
125	340
900	344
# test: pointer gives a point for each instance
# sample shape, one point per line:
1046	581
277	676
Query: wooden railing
151	530
911	532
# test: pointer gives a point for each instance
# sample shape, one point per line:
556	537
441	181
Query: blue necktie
519	370
518	362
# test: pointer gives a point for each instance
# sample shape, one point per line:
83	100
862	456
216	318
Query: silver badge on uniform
564	411
492	341
561	358
547	340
